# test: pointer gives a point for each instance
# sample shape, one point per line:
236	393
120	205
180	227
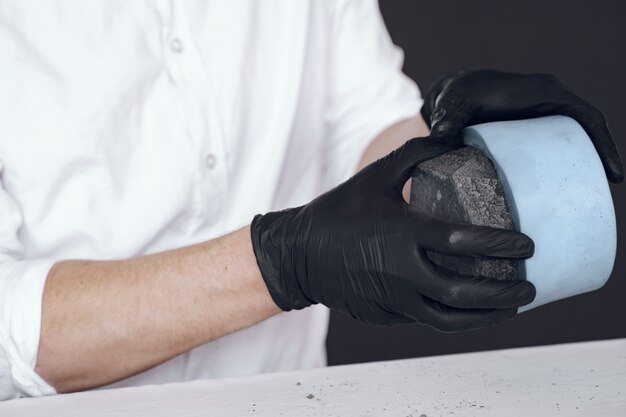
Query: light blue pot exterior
559	196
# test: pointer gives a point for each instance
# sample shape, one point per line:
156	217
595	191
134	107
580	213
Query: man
140	139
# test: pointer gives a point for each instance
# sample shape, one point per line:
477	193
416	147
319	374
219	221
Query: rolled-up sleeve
21	288
368	91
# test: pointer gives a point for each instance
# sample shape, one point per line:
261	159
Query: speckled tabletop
580	379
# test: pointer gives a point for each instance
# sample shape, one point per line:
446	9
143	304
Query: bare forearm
106	320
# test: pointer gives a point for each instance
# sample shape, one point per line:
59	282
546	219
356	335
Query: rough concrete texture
462	187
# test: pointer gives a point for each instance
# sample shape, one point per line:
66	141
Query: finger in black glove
360	249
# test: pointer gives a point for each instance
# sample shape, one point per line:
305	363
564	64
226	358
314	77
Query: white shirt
129	127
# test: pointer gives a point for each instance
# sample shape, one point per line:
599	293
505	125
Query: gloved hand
470	97
360	249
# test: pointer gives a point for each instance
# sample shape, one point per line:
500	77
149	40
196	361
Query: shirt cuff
21	291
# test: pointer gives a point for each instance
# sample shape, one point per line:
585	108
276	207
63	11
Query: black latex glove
360	249
470	97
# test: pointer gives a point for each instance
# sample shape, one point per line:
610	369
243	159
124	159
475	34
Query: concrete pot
558	195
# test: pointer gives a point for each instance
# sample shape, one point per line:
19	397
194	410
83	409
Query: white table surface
580	379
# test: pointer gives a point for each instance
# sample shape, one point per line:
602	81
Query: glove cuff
272	241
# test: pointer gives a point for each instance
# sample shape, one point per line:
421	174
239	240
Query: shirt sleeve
368	92
21	289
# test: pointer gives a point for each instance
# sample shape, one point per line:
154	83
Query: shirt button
210	160
176	45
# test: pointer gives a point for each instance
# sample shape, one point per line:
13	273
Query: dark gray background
584	44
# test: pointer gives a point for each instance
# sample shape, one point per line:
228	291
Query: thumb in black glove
360	249
470	97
